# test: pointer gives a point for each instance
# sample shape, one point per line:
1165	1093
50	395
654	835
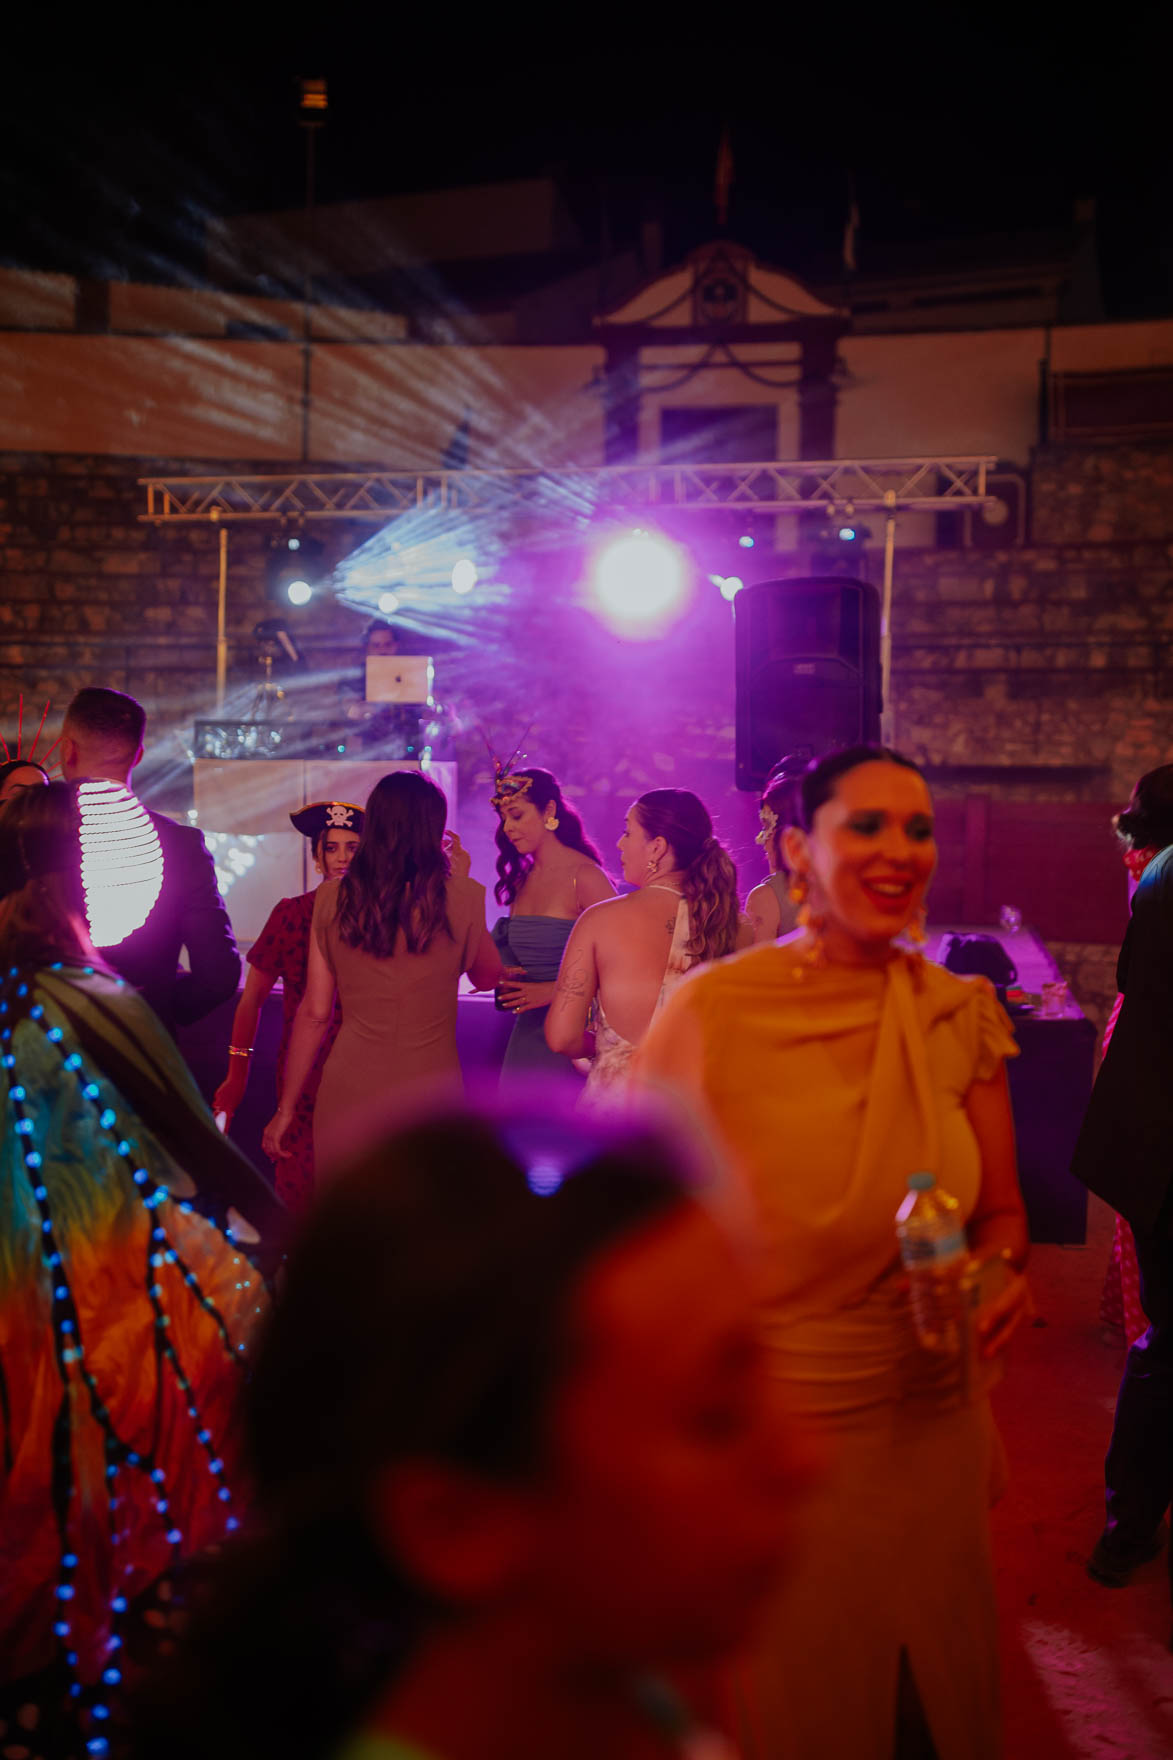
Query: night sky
949	139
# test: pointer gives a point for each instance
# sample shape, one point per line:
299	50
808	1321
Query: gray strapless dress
536	944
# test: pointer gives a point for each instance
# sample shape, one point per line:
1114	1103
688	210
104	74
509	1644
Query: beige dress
398	1033
828	1088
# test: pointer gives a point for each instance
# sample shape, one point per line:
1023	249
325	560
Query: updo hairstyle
1147	820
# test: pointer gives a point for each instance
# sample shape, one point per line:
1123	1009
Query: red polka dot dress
282	951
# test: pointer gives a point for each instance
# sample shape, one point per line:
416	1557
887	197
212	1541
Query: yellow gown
827	1087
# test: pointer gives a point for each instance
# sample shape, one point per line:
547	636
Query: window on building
734	434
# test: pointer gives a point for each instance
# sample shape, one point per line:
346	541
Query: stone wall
1102	494
1055	655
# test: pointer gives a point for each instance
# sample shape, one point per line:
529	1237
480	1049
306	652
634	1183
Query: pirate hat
319	816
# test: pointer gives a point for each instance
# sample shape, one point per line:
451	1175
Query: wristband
240	1051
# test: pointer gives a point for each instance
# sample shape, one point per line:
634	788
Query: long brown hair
706	868
544	794
398	880
42	905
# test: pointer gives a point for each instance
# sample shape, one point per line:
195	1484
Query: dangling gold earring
809	919
551	822
916	930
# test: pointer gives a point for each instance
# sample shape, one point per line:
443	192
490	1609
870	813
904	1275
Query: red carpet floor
1087	1671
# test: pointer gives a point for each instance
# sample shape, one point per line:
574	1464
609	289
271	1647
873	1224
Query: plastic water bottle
934	1253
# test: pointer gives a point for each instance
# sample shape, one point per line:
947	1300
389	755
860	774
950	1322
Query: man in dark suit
103	739
1125	1155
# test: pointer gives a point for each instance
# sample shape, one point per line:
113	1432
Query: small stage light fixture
293	570
388	602
464	575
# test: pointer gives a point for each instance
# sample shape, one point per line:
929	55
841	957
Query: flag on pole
723	181
851	227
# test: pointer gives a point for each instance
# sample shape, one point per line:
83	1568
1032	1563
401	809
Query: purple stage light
640	583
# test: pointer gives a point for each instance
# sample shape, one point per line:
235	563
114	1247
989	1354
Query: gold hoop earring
551	823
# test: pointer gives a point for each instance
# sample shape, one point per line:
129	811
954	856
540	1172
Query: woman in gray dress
548	873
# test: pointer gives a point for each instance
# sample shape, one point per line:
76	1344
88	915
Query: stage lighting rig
293	570
840	545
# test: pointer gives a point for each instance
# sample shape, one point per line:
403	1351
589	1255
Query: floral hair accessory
769	819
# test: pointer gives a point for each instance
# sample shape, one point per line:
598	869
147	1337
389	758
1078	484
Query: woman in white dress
625	955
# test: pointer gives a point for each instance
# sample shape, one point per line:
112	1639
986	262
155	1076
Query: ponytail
710	891
706	867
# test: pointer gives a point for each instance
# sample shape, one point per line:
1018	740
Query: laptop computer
399	678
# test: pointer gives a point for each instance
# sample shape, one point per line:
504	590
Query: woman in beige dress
831	1067
392	939
625	955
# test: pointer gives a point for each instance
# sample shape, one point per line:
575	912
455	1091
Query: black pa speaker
808	670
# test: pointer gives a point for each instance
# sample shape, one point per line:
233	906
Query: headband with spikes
31	754
508	784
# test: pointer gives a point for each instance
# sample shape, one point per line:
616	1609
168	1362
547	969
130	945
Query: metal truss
893	485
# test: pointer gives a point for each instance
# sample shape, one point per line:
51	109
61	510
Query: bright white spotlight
746	541
731	586
847	534
299	592
639	579
464	575
388	602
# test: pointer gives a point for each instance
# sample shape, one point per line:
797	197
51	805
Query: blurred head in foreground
512	1385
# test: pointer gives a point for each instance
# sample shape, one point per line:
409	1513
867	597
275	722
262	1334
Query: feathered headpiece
508	784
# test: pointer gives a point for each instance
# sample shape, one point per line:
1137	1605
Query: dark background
975	142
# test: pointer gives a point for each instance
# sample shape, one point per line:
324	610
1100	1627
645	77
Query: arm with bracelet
230	1093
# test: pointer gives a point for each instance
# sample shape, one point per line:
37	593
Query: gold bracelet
240	1051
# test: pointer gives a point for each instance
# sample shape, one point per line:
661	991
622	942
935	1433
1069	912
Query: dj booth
243	807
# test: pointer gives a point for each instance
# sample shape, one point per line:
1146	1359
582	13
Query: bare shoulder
465	887
598	918
590	881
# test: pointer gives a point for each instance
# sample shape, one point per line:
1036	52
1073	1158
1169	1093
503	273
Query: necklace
659	886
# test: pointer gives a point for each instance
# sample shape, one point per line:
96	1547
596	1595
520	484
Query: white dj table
243	805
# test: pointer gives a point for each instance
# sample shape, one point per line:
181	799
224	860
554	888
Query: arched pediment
718	285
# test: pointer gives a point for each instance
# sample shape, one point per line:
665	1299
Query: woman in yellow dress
832	1067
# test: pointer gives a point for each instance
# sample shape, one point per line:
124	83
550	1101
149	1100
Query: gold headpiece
508	784
769	819
510	787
